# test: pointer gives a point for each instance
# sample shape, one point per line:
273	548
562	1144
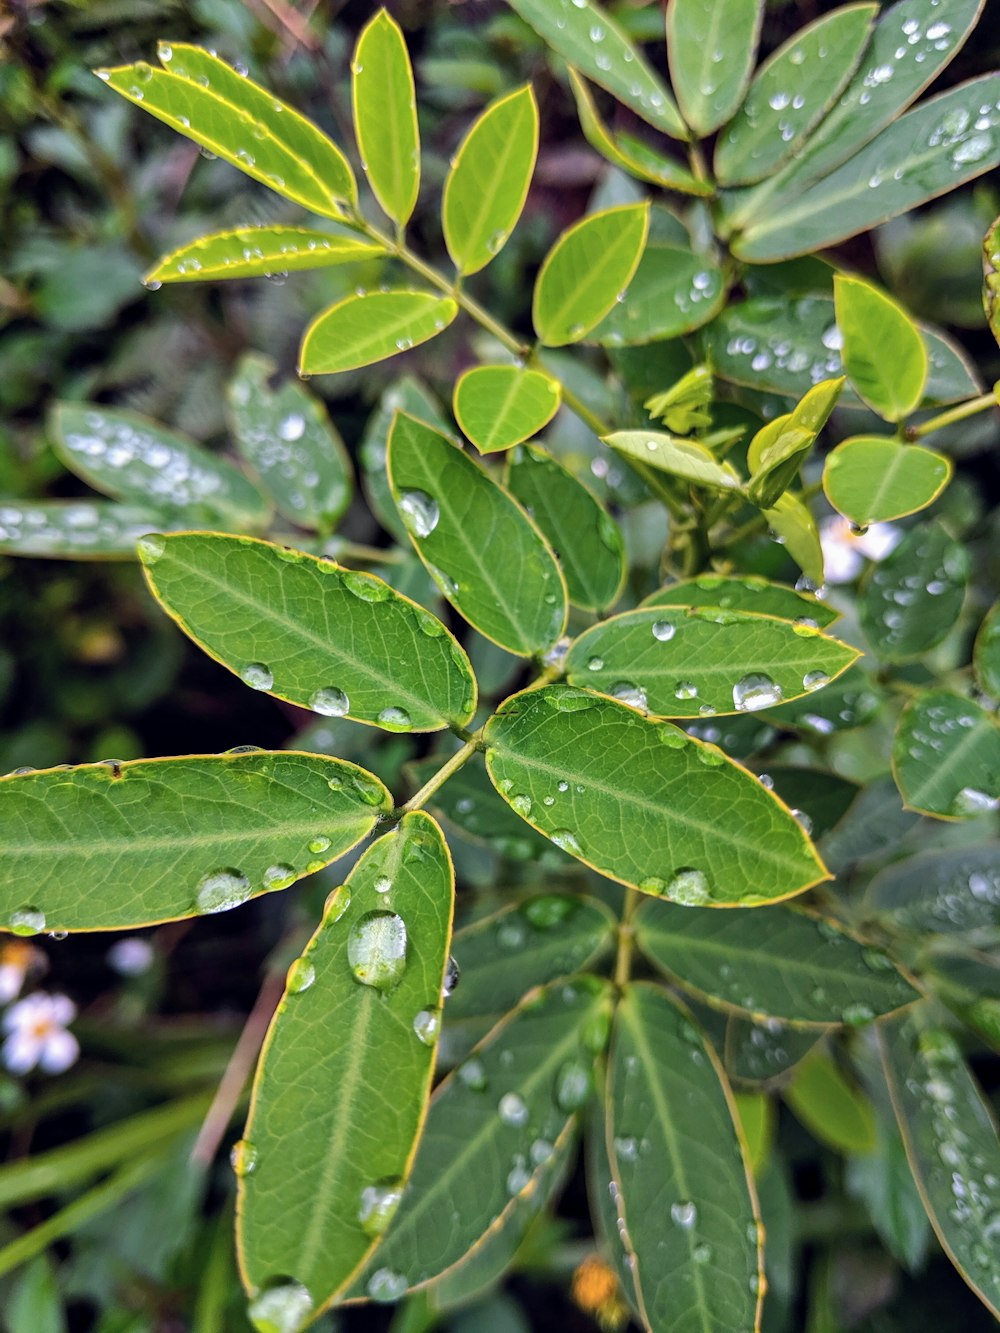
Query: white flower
844	551
17	959
131	957
36	1034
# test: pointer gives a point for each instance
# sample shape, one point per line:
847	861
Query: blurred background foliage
90	194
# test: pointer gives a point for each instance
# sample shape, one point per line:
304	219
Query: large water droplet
815	680
684	1213
513	1110
257	676
243	1157
427	1025
633	695
27	921
279	876
567	841
151	547
573	1085
282	1308
663	630
395	719
755	691
378	1205
330	701
420	512
376	950
688	887
385	1285
222	890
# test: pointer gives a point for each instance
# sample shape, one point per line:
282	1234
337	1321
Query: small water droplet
376	950
151	547
567	841
815	680
279	876
420	512
301	976
243	1157
473	1075
27	921
663	630
574	1082
378	1206
427	1025
395	719
633	695
221	891
330	702
257	676
386	1286
452	975
684	1213
686	689
513	1110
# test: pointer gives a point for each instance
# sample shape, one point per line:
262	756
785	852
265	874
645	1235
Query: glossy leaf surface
497	407
912	598
139	461
946	756
76	529
872	479
986	653
285	435
586	539
254	252
458	519
370	327
205	99
385	116
329	1142
644	804
685	1198
773	963
711	45
882	350
688	459
952	891
406	394
748	593
110	846
487	185
763	1053
672	292
305	630
583	273
694	660
830	1106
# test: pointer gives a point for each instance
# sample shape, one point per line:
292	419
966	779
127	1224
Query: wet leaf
370	327
912	598
673	291
882	348
77	529
711	46
948	892
986	654
760	1053
406	394
745	593
497	407
946	756
872	479
385	116
255	252
792	521
688	459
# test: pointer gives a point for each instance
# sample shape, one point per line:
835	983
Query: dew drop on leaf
755	691
243	1157
284	1307
663	630
257	676
689	887
27	921
151	547
330	702
395	719
815	680
420	512
567	841
684	1213
221	891
386	1286
376	950
378	1206
574	1082
427	1025
279	876
301	976
452	973
513	1110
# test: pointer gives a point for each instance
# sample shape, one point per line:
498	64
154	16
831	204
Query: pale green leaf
950	1136
778	450
872	479
986	653
139	461
497	407
791	92
688	1212
912	598
458	518
205	99
329	1141
372	326
762	1053
643	803
757	1118
991	275
589	39
776	962
287	438
746	593
77	529
385	116
253	252
672	292
690	661
953	891
119	845
946	756
792	520
711	46
688	459
881	347
582	275
586	539
307	631
833	1109
487	184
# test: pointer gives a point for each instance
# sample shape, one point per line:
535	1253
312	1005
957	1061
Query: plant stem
456	761
959	413
626	938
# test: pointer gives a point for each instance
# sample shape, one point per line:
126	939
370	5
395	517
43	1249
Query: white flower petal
11	981
62	1010
27	1012
59	1050
879	540
20	1052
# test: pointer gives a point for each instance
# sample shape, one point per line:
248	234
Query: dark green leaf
830	1107
305	630
643	803
497	407
954	891
119	845
287	438
882	349
759	1053
371	326
684	1194
385	116
872	479
76	529
883	1180
911	599
253	252
850	701
458	518
875	823
711	46
603	1195
821	798
946	756
986	654
745	593
584	536
329	1142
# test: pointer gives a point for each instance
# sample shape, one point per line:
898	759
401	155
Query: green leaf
685	1199
986	653
913	41
385	116
305	630
253	252
756	1117
935	148
589	40
711	46
372	326
633	157
681	458
497	407
955	891
409	395
603	1197
137	460
791	92
458	518
832	1109
745	593
991	277
821	798
850	701
697	660
875	822
776	962
884	1182
673	292
287	438
761	1053
120	845
329	1141
586	539
583	273
912	598
525	944
778	450
946	756
883	352
34	1304
487	184
76	529
205	99
951	1140
872	479
643	803
493	1126
793	522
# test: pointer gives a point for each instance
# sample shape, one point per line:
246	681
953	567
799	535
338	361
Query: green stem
460	757
626	937
959	413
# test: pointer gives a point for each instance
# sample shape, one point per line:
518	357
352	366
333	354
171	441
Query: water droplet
378	1206
633	695
292	427
567	700
452	975
684	1213
420	512
427	1025
686	689
972	801
574	1082
653	884
257	676
284	1307
27	921
815	680
301	976
663	630
564	839
376	950
386	1286
473	1075
279	876
243	1157
595	663
689	887
512	1110
755	691
221	891
395	719
151	547
330	702
857	1015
